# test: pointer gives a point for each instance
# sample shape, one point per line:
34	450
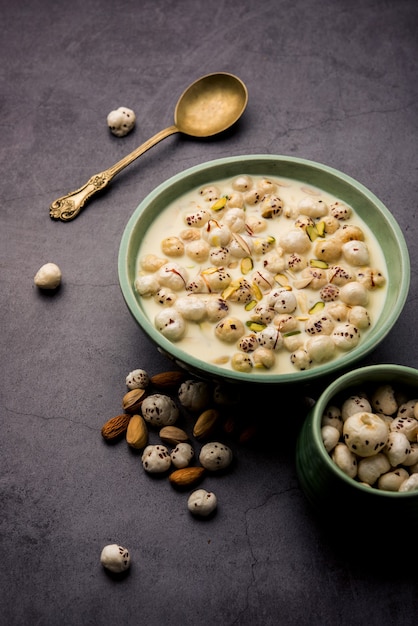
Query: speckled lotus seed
137	379
365	433
156	459
115	558
355	404
215	456
182	455
121	121
194	394
159	410
383	400
202	502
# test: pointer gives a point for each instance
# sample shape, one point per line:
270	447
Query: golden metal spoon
209	106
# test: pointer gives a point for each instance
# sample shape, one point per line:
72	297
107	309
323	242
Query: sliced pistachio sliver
320	227
292	332
257	291
302	318
210	270
318	306
219	204
312	232
255	326
319	264
267	213
228	291
246	265
250	305
282	280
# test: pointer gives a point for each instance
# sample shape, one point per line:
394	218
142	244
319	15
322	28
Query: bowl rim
188	361
337	386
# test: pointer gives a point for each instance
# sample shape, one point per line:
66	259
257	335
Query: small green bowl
365	203
335	496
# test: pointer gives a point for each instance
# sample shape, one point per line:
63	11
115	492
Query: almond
171	435
205	423
132	400
115	427
248	434
186	476
166	380
137	432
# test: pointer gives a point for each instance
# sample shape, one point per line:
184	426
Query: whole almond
205	423
166	380
115	427
132	400
171	435
186	476
137	432
248	434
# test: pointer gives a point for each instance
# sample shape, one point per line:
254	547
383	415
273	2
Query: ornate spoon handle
68	207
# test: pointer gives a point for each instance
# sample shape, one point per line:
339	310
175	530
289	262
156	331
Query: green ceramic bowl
367	205
334	495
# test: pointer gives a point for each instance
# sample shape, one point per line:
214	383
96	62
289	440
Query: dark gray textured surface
332	81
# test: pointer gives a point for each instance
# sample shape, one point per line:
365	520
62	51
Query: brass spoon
209	106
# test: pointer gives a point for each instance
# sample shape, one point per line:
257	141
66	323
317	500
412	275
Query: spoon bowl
209	106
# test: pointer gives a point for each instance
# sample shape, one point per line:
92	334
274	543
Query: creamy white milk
199	337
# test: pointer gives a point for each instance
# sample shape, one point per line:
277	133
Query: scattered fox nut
115	558
48	276
202	502
121	121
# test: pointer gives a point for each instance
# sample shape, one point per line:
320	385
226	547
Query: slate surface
332	81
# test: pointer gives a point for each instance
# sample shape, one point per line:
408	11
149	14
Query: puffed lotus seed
365	433
412	458
182	455
170	323
354	404
384	400
330	437
137	379
48	276
410	484
332	417
370	468
156	459
397	448
391	481
215	456
194	394
159	410
407	409
202	502
121	121
345	459
115	558
406	425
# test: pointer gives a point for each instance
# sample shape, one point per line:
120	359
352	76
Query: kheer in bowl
264	268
